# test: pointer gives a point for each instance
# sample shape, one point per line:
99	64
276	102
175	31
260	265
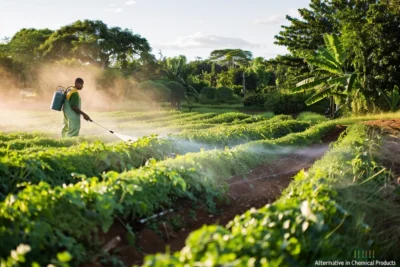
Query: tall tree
369	30
95	43
288	70
372	37
24	45
20	55
232	57
261	68
305	35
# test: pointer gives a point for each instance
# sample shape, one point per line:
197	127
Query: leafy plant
394	99
331	78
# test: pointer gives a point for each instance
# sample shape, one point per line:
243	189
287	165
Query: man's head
79	83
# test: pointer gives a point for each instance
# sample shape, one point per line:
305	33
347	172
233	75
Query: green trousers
72	121
72	126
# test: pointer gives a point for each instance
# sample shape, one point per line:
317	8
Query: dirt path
261	186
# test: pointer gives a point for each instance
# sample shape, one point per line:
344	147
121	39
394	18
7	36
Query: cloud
278	18
198	21
274	19
202	40
130	2
118	10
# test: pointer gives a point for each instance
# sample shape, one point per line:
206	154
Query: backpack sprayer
59	98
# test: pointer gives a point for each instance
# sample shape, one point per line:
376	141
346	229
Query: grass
210	110
311	117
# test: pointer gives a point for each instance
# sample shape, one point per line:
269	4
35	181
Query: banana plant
331	77
173	69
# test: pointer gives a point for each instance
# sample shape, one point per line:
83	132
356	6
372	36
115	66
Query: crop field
227	134
172	188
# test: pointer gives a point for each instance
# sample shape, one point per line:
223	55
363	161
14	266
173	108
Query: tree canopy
95	43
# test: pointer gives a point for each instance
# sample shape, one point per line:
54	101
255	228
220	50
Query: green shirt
74	100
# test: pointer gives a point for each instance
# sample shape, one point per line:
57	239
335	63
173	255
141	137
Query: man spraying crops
72	110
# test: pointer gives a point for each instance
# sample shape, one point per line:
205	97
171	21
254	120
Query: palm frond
342	80
310	85
326	55
335	45
351	83
325	65
308	80
319	96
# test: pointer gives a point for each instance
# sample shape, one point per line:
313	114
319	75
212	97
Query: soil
389	126
261	186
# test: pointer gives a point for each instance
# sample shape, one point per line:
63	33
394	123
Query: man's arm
74	105
78	111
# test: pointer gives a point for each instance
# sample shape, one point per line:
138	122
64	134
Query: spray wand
102	126
120	136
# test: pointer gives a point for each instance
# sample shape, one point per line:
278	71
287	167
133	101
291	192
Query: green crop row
55	165
228	117
52	220
194	118
249	121
44	142
191	118
5	137
238	134
322	216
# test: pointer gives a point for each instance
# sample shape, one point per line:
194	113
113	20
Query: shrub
238	90
157	91
208	92
268	114
224	94
254	100
281	103
198	86
177	89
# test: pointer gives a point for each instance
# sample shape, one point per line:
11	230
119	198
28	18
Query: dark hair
79	80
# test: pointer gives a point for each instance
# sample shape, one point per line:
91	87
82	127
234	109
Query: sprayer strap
70	91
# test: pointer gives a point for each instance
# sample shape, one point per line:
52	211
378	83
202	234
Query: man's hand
78	111
86	117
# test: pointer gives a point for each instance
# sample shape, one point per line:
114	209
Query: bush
254	100
199	85
238	90
157	91
292	103
177	89
224	94
268	114
208	92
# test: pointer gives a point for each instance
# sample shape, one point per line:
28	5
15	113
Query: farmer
72	110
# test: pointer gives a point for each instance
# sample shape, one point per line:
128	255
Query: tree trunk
244	85
332	108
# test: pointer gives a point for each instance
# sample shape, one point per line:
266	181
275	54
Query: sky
176	27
